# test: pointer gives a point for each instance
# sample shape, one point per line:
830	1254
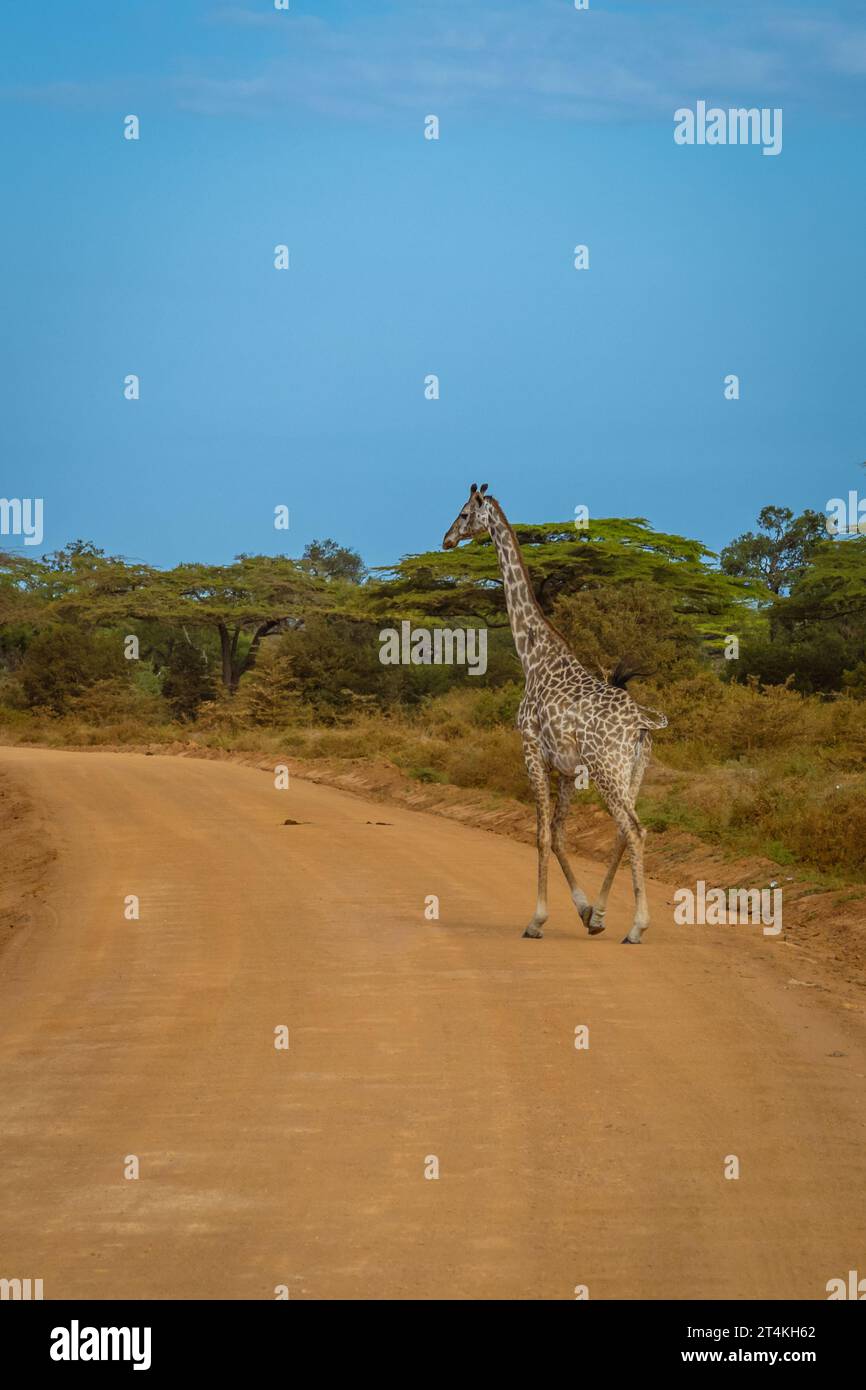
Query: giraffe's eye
463	516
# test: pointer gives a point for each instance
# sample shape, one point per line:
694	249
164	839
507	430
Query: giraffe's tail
651	718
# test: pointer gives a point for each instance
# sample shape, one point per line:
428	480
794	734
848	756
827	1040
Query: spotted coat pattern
569	719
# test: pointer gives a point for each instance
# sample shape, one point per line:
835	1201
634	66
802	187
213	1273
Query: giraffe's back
580	720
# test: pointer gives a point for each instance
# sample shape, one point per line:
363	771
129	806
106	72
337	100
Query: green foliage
854	681
63	660
188	680
561	560
334	658
637	623
780	553
617	590
833	588
812	657
237	604
328	560
816	633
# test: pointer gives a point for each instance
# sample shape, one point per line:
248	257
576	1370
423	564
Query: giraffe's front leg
540	782
591	920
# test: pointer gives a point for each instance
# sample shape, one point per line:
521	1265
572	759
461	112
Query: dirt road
408	1039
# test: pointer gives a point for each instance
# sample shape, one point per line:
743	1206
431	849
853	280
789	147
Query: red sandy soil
408	1038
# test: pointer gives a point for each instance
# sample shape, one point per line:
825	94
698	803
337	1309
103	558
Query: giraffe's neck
528	623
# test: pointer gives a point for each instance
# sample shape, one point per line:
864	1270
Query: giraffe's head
471	520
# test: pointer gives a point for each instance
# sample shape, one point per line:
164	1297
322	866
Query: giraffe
568	720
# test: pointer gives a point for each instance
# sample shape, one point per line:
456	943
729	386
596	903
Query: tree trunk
226	654
232	669
235	673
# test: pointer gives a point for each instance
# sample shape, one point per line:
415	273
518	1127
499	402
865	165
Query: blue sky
410	257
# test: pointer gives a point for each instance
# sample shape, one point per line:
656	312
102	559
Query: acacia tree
237	604
328	560
780	553
833	588
465	583
817	632
243	603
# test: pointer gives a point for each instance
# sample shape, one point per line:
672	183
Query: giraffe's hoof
627	941
592	920
534	932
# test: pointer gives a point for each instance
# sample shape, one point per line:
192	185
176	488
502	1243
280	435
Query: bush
188	681
269	694
116	700
61	662
712	720
636	623
813	659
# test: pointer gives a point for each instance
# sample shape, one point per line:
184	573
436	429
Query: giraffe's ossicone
572	723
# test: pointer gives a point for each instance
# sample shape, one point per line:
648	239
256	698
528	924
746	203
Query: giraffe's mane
547	623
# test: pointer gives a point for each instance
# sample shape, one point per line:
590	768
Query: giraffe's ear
483	488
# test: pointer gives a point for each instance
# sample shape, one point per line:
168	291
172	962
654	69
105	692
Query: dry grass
767	772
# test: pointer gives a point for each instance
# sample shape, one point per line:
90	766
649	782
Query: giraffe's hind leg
595	922
540	780
557	828
596	916
635	835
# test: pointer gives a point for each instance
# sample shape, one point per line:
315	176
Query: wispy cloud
547	59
